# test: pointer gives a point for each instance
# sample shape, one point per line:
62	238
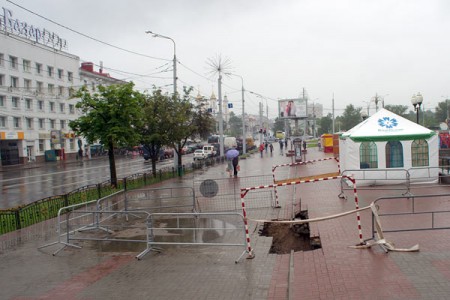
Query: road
21	185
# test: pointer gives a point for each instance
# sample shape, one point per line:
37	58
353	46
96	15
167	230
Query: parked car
209	150
199	154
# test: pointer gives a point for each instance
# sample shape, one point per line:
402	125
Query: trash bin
50	155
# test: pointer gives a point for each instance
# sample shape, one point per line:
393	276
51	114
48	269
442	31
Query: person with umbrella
232	156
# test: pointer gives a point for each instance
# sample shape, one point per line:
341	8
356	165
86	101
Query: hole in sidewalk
287	237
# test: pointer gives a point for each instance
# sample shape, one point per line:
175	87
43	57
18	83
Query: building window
394	154
41	105
52	124
50	71
2	80
72	144
60	91
26	65
368	155
14	82
60	73
27	84
13	62
71	108
51	89
38	68
2	59
62	107
29	123
70	91
420	153
2	122
62	124
70	76
16	122
2	101
41	123
15	102
29	103
39	86
52	106
41	145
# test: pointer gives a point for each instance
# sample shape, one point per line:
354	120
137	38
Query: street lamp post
244	140
175	155
416	101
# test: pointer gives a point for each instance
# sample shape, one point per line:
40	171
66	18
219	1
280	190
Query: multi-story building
37	80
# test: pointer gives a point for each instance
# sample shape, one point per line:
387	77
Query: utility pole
332	108
220	117
260	121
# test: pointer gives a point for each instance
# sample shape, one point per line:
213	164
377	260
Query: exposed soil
287	237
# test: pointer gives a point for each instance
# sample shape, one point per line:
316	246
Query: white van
209	150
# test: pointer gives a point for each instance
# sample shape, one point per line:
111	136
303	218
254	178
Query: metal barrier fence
222	194
400	178
106	220
160	199
196	229
416	212
47	208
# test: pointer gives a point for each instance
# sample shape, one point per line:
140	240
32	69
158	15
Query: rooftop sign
23	29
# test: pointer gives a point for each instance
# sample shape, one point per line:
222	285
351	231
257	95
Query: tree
442	111
111	116
185	121
154	127
278	125
400	110
235	125
325	124
351	117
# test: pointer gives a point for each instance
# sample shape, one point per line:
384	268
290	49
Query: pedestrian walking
266	145
261	149
304	145
236	165
271	149
281	147
319	145
285	143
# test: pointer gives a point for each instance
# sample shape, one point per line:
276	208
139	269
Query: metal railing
417	212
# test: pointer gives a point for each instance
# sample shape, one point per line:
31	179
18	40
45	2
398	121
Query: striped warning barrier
244	192
277	204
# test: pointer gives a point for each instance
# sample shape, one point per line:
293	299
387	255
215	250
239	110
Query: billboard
292	108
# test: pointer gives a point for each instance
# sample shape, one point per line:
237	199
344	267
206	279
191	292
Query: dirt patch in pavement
287	237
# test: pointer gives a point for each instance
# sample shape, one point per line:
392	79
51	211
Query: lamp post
416	101
244	140
156	35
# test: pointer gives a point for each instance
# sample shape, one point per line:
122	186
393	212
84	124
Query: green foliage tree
154	127
401	110
350	118
325	124
111	116
442	111
186	120
278	125
235	125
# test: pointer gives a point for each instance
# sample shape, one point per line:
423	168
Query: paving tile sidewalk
333	272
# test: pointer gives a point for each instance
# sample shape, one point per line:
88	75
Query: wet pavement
334	271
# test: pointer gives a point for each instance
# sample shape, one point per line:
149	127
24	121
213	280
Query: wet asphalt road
21	185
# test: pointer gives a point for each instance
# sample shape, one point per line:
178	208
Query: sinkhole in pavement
287	237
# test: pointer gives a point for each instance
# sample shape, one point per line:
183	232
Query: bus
279	134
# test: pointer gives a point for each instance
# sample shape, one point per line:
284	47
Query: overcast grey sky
352	49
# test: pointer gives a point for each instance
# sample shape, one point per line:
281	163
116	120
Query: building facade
36	84
37	81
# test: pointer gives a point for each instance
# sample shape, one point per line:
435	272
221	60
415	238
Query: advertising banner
292	108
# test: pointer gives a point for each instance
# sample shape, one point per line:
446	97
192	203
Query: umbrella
232	153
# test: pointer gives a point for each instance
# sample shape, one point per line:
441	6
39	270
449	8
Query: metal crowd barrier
416	212
399	179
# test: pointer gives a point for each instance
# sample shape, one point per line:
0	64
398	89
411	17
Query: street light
244	140
416	101
156	35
